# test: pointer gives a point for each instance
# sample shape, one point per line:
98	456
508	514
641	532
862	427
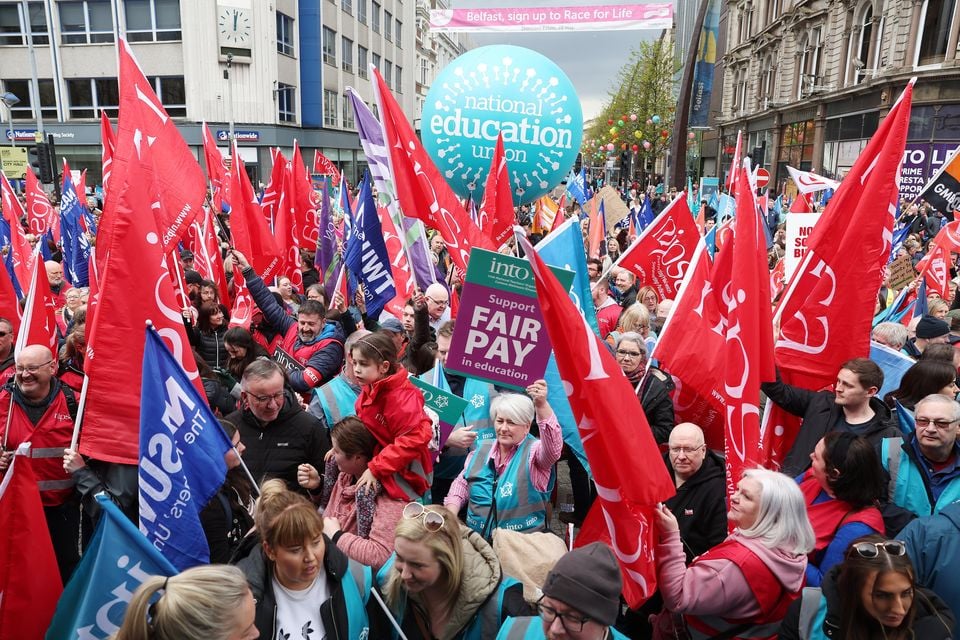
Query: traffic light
46	166
33	156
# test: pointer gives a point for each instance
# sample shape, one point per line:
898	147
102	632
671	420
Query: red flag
19	246
207	259
496	209
29	578
935	266
285	231
777	279
39	321
801	204
611	422
82	187
403	278
250	233
846	255
304	201
41	216
421	189
271	193
561	217
216	171
9	305
173	168
595	232
691	348
748	330
241	313
731	180
109	144
115	337
323	166
660	255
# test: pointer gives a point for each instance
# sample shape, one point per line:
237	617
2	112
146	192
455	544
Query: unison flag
366	254
181	457
117	561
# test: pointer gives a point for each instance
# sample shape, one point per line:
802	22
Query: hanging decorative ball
637	134
610	121
691	135
635	148
624	117
610	146
649	121
613	130
656	119
623	147
646	145
633	117
665	133
619	123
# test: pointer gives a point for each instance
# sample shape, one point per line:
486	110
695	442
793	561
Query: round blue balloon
510	89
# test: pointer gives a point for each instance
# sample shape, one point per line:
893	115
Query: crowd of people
344	515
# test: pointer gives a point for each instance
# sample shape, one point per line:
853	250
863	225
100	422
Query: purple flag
327	259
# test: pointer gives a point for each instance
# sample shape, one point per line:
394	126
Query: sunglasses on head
432	521
873	549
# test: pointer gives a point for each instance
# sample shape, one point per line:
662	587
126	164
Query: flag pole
6	431
386	610
80	411
246	470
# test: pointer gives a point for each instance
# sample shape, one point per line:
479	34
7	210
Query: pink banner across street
579	18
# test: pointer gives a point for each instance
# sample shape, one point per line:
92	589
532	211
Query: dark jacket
421	351
821	415
933	543
657	406
276	449
700	506
209	345
934	620
218	397
333	612
225	522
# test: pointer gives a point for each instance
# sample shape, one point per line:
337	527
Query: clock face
235	27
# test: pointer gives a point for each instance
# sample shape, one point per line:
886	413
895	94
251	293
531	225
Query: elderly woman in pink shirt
507	480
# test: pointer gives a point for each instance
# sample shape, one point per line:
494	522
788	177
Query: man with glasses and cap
37	409
279	435
581	600
924	467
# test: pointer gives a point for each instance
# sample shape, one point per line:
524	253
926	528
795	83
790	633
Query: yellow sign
13	162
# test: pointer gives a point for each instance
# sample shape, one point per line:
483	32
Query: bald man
700	502
438	304
43	412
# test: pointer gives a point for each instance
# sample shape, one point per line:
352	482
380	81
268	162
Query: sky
590	59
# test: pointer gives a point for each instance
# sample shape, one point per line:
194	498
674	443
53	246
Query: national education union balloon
509	89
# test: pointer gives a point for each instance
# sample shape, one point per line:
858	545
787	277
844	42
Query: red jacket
392	409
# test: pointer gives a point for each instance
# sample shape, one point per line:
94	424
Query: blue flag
920	307
76	246
181	457
906	420
778	210
893	363
899	237
710	239
366	254
646	214
727	208
115	563
577	186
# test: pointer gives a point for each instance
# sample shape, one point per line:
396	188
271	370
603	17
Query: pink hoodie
372	551
718	587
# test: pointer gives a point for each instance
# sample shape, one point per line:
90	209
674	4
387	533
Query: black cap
588	579
192	277
930	327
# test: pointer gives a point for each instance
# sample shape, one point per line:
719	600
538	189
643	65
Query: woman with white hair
742	587
507	480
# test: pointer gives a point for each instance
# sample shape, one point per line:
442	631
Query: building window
347	6
330	46
361	61
86	21
11	24
24	109
388	26
935	31
861	63
286	102
809	64
88	96
284	34
388	73
329	108
346	54
398	83
376	60
768	87
348	122
774	9
362	11
796	146
397	33
423	71
172	94
152	20
375	21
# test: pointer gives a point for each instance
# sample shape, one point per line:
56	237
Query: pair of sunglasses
873	549
432	521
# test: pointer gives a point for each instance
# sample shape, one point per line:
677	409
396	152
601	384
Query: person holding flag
6	350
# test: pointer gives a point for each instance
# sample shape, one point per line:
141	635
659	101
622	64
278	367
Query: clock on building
235	31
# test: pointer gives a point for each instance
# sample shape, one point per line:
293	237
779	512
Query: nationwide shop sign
500	335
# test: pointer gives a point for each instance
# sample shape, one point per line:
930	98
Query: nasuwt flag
496	208
116	562
20	250
173	168
248	226
39	323
182	448
134	262
611	422
943	189
808	182
845	260
366	254
41	216
76	245
421	189
108	140
29	578
661	253
691	348
323	166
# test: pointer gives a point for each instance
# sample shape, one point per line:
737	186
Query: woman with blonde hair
302	583
203	603
444	581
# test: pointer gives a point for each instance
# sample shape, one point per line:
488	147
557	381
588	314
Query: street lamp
9	100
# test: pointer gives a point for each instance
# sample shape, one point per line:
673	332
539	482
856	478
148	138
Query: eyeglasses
4	334
275	397
630	354
31	368
873	549
570	623
939	424
439	303
432	521
686	450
